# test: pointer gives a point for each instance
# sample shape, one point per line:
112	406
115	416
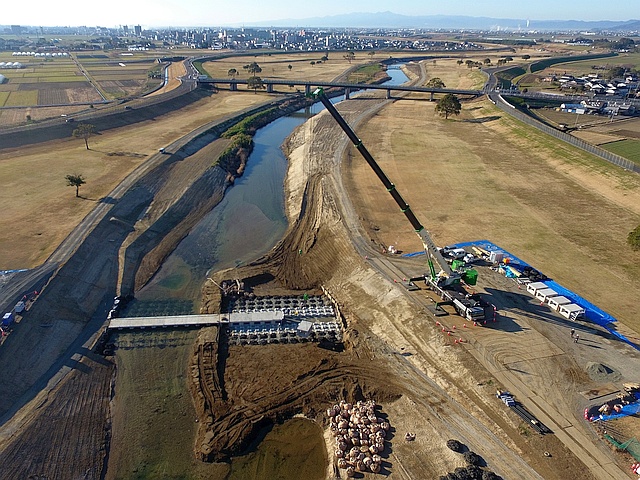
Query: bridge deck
197	320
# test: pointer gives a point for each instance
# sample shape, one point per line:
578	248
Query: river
248	222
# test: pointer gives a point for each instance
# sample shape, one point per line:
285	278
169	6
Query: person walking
577	337
573	332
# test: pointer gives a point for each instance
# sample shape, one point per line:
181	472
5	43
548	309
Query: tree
616	72
324	58
349	56
633	239
85	131
460	62
289	67
487	61
75	181
254	68
371	53
469	63
312	62
435	82
232	72
526	57
448	105
255	83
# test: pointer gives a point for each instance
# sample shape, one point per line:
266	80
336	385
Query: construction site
358	319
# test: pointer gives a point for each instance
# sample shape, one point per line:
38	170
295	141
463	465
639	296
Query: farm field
82	79
620	136
629	149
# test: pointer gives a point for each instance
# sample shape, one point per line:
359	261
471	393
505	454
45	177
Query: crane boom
427	241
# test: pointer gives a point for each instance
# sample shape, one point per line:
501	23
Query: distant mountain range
394	20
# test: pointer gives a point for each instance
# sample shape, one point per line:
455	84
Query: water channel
246	224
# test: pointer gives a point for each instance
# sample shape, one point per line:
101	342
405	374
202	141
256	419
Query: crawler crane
447	281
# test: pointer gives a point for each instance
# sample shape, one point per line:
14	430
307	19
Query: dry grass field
39	210
276	66
484	175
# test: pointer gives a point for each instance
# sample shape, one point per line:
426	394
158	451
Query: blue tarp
592	313
631	409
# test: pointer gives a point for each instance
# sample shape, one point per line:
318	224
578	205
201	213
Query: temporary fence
631	446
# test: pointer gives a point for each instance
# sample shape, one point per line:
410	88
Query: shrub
474	472
633	239
489	475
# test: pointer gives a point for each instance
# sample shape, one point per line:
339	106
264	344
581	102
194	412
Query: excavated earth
392	353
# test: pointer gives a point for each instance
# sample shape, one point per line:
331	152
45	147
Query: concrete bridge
348	87
309	86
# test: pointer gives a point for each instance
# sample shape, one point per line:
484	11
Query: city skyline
201	13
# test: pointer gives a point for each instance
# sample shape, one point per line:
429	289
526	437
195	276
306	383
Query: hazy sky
150	13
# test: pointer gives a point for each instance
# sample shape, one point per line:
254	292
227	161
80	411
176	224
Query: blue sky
226	12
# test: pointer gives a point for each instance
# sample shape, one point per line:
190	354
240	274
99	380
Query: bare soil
67	439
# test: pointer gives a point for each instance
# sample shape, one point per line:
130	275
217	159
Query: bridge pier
432	98
269	87
233	86
388	93
347	93
307	90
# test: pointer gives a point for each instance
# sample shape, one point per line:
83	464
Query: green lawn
629	149
3	98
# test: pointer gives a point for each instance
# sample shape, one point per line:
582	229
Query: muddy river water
246	224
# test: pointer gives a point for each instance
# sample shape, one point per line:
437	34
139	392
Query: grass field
3	98
149	440
629	149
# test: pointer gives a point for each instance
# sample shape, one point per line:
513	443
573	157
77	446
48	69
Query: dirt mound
600	372
240	389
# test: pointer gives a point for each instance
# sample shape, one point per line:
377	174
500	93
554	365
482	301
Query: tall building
138	30
125	29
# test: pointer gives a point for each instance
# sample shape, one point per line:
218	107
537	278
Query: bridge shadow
108	200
